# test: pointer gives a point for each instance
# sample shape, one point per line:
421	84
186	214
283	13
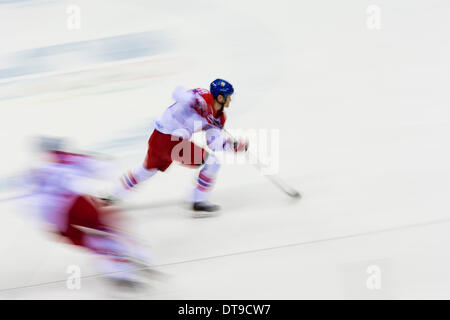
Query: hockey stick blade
284	187
274	178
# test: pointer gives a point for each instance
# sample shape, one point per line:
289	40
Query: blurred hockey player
59	185
194	110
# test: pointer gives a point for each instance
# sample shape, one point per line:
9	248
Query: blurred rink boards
68	69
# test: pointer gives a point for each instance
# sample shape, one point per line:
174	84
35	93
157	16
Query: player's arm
218	142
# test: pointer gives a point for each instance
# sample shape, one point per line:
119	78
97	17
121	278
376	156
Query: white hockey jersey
56	184
193	112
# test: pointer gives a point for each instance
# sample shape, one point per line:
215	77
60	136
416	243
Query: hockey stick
274	178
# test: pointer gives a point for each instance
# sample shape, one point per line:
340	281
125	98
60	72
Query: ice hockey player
194	110
59	184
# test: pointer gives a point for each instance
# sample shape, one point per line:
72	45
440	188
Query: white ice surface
364	126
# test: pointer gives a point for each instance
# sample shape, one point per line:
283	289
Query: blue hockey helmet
220	87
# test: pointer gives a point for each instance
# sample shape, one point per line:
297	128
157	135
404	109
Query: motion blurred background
358	92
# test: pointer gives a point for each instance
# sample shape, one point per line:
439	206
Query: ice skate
203	209
205	206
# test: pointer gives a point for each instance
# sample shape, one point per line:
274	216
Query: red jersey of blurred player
60	196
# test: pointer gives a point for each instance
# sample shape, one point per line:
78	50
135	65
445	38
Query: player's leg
157	159
129	180
189	154
205	183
